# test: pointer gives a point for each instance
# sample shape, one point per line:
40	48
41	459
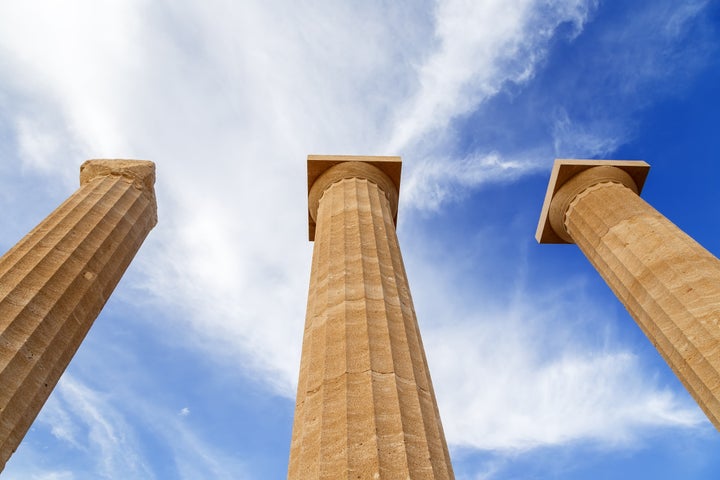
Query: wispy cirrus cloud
538	393
113	429
495	94
438	180
229	113
102	429
634	64
90	428
39	474
532	362
480	46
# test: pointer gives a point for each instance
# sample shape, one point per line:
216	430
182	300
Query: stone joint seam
352	178
348	170
585	193
337	378
578	184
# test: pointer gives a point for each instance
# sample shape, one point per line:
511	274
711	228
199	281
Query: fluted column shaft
667	281
365	404
55	281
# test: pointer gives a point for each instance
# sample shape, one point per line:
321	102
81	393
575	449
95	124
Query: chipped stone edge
140	173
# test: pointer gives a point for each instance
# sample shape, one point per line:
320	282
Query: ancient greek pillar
55	281
666	280
365	403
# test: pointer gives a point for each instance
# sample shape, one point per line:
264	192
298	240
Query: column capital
140	172
571	177
324	170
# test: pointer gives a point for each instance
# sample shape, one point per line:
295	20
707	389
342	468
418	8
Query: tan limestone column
55	281
365	403
666	280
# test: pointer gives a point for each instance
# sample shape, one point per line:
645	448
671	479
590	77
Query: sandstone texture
667	281
365	403
55	281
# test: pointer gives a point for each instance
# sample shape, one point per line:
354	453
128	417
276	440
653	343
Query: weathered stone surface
565	169
365	404
668	282
55	281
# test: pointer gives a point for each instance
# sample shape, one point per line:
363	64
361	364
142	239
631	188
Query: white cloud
532	396
480	45
38	145
79	58
536	364
436	181
228	98
53	476
634	62
113	429
99	429
577	139
35	469
46	475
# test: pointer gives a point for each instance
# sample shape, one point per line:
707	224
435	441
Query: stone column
666	280
55	281
365	403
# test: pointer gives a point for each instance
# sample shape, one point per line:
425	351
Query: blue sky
190	371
